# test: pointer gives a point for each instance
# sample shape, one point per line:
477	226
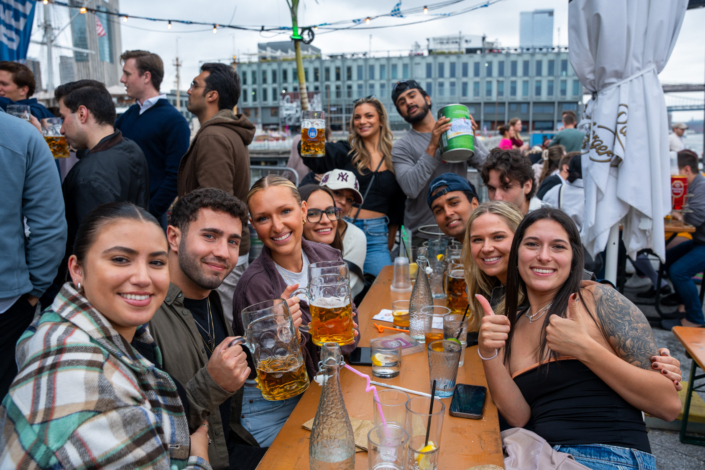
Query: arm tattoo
625	327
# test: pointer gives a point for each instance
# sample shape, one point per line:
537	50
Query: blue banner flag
16	20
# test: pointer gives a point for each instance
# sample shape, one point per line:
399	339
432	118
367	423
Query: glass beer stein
51	129
271	338
456	288
313	133
330	303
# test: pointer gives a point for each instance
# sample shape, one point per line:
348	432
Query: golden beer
313	142
401	319
58	145
331	323
456	292
433	336
278	379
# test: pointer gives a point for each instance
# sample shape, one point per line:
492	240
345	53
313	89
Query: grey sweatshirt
696	203
415	170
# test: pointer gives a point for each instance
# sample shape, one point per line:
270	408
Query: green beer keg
458	143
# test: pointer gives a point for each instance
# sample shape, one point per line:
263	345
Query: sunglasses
365	98
314	216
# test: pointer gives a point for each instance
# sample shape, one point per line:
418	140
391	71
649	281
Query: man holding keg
417	158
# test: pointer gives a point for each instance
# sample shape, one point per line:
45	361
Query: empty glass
423	455
21	111
454	324
393	405
443	359
386	358
401	281
387	447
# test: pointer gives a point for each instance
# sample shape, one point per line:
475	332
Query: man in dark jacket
111	168
218	156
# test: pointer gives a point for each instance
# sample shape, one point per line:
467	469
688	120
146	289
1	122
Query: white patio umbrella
617	48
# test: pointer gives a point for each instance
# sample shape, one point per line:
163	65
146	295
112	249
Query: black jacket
548	183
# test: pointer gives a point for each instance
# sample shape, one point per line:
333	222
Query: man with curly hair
509	177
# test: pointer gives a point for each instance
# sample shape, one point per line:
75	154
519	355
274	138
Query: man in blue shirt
155	125
17	86
32	232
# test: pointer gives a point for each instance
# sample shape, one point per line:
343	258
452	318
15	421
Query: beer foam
457	274
331	302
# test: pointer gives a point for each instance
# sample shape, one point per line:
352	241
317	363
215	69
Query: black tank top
572	406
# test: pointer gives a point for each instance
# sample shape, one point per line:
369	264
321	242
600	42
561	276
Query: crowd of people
124	280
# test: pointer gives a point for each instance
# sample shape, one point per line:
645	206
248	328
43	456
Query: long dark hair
306	192
516	285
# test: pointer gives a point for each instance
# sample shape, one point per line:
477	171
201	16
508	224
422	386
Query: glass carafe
332	445
421	297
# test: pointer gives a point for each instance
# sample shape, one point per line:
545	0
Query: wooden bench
693	339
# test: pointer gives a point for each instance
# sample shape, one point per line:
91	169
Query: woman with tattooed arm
574	365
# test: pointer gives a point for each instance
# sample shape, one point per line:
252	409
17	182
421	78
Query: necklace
210	343
536	316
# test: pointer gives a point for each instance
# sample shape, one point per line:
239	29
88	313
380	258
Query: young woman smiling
367	154
84	397
278	215
574	364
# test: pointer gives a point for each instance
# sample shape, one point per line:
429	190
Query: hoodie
218	158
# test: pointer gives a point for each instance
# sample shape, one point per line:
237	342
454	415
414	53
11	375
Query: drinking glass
386	358
328	267
387	447
393	405
400	312
313	134
453	324
443	359
51	129
330	304
401	280
422	455
21	111
434	315
419	324
456	288
271	338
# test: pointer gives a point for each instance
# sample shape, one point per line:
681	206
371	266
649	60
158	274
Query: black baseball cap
402	86
451	182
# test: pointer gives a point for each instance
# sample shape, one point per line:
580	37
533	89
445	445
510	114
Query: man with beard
204	235
452	199
417	160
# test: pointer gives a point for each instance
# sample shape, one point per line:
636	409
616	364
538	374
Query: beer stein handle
241	341
300	292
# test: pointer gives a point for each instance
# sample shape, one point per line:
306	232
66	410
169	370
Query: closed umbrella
618	48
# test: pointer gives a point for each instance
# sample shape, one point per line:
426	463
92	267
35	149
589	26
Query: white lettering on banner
6	16
9	37
24	8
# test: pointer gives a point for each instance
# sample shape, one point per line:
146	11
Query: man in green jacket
570	137
204	235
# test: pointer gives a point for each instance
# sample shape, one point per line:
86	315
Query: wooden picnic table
693	340
464	442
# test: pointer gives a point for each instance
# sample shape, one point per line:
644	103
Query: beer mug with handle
328	267
313	134
330	303
271	338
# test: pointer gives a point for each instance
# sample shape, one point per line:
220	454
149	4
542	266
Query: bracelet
496	352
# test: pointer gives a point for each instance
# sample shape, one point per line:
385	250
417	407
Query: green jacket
184	358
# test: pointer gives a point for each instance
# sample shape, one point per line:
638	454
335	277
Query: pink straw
367	389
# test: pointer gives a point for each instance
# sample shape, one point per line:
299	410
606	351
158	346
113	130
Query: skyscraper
536	28
67	72
99	33
36	67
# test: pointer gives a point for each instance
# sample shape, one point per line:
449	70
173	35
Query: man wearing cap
675	140
417	160
346	190
452	199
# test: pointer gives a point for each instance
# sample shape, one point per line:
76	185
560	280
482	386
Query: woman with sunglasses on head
324	217
278	215
573	364
84	396
367	154
488	242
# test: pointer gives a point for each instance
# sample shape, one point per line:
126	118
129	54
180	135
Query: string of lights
342	25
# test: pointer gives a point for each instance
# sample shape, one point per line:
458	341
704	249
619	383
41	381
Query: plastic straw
430	411
460	330
413	392
369	387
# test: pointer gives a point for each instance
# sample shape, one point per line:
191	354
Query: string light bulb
169	24
45	2
215	28
124	19
368	19
83	10
425	10
315	28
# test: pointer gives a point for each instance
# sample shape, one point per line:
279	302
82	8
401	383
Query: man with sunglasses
416	157
218	156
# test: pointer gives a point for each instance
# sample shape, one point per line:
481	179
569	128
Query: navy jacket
37	109
163	135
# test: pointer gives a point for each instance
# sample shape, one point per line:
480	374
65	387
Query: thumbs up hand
494	329
568	336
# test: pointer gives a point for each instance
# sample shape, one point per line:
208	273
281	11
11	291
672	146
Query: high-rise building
36	67
67	71
536	29
100	33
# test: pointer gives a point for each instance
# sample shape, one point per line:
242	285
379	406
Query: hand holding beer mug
313	133
51	129
330	303
271	338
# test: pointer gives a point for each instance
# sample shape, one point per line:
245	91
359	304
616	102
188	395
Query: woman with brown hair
551	163
367	154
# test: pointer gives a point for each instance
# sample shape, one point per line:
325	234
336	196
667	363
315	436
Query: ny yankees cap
342	179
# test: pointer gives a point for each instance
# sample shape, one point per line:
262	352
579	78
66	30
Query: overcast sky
498	22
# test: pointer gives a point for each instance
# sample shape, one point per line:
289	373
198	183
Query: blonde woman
367	154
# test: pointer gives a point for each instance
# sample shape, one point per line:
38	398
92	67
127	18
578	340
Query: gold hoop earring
304	220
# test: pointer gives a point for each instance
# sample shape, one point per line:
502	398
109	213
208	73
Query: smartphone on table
361	357
468	401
